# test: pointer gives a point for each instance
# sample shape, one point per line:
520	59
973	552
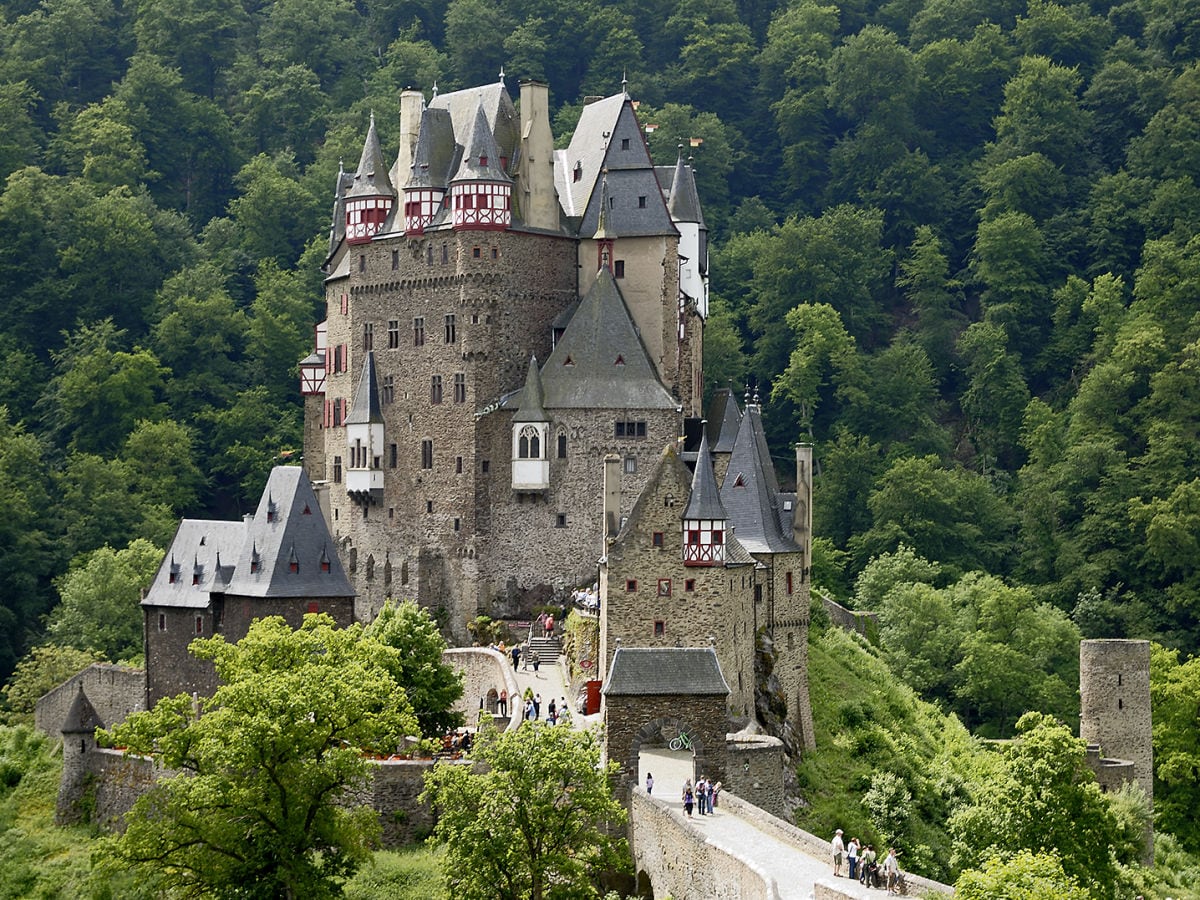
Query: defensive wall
859	621
485	673
115	692
679	861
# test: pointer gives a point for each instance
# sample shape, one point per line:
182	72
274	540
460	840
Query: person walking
524	651
503	703
516	654
868	870
550	712
537	660
649	783
688	797
839	848
852	858
537	706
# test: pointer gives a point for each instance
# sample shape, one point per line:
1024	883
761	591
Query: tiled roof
531	400
704	501
189	573
724	419
481	156
371	178
642	671
365	410
436	154
684	203
82	717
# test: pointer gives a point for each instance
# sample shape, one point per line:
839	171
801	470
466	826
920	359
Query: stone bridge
740	853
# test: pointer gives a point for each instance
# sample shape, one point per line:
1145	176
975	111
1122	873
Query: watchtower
1114	711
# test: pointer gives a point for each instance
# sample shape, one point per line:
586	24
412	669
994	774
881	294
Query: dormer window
577	173
293	566
483	161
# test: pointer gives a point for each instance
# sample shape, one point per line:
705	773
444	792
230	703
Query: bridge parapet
680	861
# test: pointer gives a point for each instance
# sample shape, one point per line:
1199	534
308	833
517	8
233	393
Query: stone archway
671	748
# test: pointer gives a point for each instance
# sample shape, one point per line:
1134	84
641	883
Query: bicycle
683	742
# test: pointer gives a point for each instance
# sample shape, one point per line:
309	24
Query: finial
502	74
434	89
624	83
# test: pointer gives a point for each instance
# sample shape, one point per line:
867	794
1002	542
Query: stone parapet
115	692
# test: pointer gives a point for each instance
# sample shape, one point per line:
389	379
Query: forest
955	246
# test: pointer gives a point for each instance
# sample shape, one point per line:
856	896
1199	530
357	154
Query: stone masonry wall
1114	693
755	771
114	691
485	673
631	722
678	861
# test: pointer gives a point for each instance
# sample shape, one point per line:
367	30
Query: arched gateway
669	705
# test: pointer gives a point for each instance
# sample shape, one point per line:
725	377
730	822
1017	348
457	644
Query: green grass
414	873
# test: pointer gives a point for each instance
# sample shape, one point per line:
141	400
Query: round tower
1114	710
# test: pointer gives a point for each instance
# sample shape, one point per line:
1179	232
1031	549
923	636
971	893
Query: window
419	331
631	585
428	506
395	259
718	537
345	304
368	336
393	334
560	521
689	584
495	255
458	465
445	254
476	253
451	330
658	539
483	467
631	465
393	452
435	389
562	446
388	394
337	412
337	470
693	537
199	625
619	268
162	622
631	430
624	143
577	172
529	445
660	628
426	454
457	524
460	387
664	587
362	262
789	582
642	202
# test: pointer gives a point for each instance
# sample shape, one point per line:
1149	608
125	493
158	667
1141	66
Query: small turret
79	741
480	191
684	207
605	236
531	437
425	189
364	439
704	520
370	199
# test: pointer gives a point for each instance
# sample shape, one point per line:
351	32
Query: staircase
548	648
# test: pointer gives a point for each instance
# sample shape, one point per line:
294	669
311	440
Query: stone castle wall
485	673
756	771
115	692
1114	693
676	858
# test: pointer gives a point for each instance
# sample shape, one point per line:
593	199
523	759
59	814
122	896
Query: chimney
802	509
535	171
412	104
612	499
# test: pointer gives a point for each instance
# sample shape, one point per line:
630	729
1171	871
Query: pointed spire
603	230
481	158
684	204
705	499
532	409
371	178
502	74
624	83
434	90
366	410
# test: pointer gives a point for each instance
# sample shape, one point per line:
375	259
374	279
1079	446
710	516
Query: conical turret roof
365	409
371	178
704	502
481	157
684	204
531	409
82	717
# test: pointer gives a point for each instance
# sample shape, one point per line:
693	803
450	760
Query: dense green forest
955	246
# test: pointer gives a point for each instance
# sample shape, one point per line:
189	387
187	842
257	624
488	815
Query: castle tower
1114	709
79	741
481	191
412	104
531	437
704	519
370	199
364	440
535	167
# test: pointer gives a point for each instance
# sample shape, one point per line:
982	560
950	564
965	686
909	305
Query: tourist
550	626
537	660
852	858
891	870
868	871
716	795
649	783
550	712
537	706
688	797
701	794
502	705
529	713
524	648
838	849
516	654
708	796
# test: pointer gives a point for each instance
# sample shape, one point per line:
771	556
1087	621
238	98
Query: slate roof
337	228
751	491
684	202
287	526
531	399
647	671
436	155
82	717
498	111
371	179
724	420
704	501
481	156
365	410
600	361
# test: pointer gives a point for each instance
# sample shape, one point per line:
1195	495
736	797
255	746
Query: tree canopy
258	806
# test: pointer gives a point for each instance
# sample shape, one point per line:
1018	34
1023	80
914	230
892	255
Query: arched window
529	443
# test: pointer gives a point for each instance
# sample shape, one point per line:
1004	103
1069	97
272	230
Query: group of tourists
557	711
864	865
521	654
704	796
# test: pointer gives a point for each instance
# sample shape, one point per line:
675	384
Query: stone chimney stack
802	510
612	499
537	198
412	104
